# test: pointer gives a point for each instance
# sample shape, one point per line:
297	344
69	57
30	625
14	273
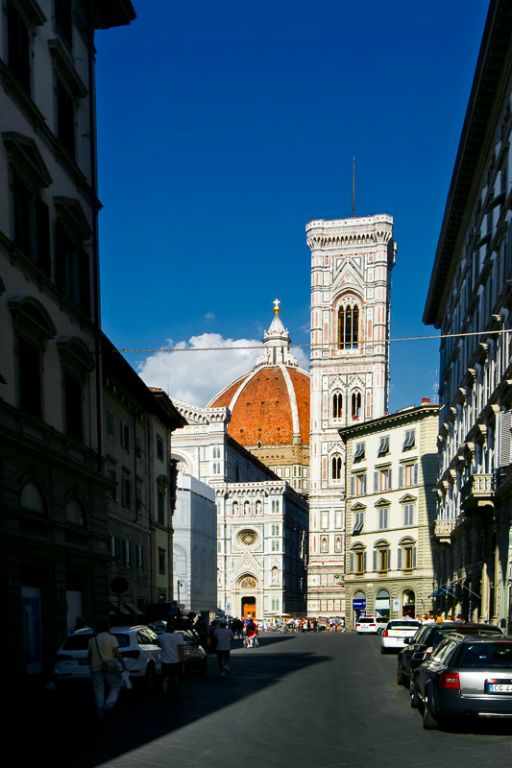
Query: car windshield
439	634
487	655
76	642
406	624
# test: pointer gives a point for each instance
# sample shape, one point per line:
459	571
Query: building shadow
59	728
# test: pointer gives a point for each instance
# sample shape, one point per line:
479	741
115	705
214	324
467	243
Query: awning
119	609
132	608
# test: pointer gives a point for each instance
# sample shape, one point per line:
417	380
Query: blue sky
224	127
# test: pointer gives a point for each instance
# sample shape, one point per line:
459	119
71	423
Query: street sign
359	604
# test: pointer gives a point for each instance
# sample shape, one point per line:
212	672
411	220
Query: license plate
500	686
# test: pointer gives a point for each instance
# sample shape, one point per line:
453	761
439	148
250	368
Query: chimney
425	400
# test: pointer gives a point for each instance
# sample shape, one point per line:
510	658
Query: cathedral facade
351	263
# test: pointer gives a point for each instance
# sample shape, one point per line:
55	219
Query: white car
367	625
137	645
397	632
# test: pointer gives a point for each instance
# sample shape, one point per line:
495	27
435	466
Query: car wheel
429	721
413	696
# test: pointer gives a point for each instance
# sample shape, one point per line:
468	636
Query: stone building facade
351	263
391	466
53	532
262	522
470	301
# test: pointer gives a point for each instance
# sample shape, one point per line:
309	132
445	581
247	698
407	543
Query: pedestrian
223	638
173	658
80	623
251	631
103	653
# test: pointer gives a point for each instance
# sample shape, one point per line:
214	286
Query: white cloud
196	377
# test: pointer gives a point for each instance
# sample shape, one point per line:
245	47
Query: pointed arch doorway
248	604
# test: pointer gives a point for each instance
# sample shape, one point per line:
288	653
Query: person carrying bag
106	665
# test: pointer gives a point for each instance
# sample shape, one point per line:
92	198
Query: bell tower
351	263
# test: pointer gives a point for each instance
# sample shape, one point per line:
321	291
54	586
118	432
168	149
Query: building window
338	544
357	560
275	506
31	500
140	556
161	562
127	553
75	513
63	20
383	446
18	46
275	545
358	484
112	475
125	436
358	523
407	555
65	118
73	406
356	405
336	467
348	327
159	447
409	440
408	474
383	517
275	530
72	267
408	514
381	560
110	423
382	479
31	223
324	544
29	378
337	405
359	452
126	492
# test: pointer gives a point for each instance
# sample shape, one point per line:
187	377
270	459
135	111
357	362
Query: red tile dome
269	405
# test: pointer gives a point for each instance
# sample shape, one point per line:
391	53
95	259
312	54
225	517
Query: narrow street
323	700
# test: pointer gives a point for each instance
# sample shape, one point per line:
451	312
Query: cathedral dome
270	404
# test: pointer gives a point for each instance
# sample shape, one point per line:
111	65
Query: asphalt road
324	700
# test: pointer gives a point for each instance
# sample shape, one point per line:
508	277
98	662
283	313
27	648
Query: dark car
465	676
427	638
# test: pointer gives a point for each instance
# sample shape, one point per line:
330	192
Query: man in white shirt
173	657
223	637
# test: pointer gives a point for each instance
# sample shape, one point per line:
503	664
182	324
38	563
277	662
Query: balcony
478	493
442	530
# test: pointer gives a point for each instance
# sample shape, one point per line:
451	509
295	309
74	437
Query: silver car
465	676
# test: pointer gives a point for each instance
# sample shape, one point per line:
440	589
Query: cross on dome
277	306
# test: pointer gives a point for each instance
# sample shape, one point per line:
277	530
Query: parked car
466	675
396	633
196	659
366	625
137	644
427	638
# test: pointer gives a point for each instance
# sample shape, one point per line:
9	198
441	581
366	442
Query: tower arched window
336	467
337	405
356	404
348	326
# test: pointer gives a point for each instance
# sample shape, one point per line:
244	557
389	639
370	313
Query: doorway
249	607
